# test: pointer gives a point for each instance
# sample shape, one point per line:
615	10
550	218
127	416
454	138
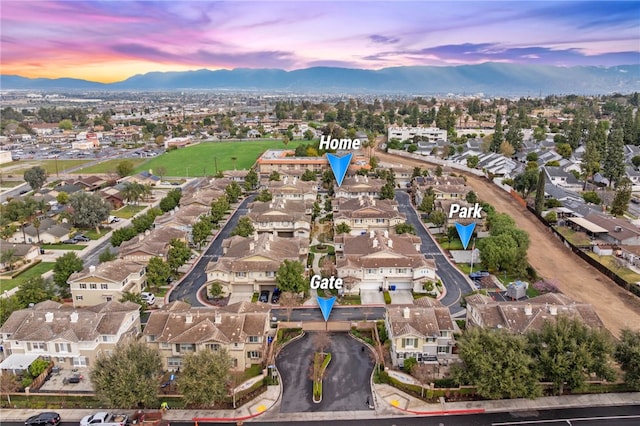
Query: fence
434	160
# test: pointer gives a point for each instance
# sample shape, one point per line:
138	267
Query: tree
438	218
506	149
201	231
128	378
179	253
409	364
343	228
387	192
132	192
35	290
539	203
233	192
635	161
539	134
551	217
161	172
35	177
591	197
472	161
274	176
264	196
136	298
613	162
124	168
251	180
89	210
62	198
290	276
107	256
405	228
204	376
426	205
627	354
219	208
438	171
514	135
215	289
622	197
321	341
327	266
564	149
590	161
171	200
8	257
66	265
498	136
498	364
244	228
9	305
308	176
65	124
526	182
308	134
9	384
567	352
471	197
158	273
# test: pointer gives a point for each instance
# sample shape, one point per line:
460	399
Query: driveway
371	297
401	297
346	385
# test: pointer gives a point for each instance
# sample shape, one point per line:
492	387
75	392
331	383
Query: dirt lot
616	307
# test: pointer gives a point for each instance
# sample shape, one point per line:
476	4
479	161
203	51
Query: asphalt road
313	313
454	280
188	287
346	385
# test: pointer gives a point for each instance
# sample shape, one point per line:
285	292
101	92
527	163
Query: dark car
275	297
81	238
264	296
48	418
478	275
70	241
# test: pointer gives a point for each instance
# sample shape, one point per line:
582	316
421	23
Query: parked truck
103	418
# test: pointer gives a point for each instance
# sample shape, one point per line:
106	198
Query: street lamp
187	172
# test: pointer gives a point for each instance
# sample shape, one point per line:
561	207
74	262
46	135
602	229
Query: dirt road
577	279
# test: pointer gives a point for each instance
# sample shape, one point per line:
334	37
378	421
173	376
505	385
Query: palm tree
36	224
146	192
7	257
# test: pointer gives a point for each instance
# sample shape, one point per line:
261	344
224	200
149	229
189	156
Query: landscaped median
320	362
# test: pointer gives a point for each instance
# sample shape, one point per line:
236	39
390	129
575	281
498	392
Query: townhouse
285	218
443	188
249	265
380	259
359	186
182	218
424	331
68	336
177	329
293	188
106	282
285	161
153	243
365	214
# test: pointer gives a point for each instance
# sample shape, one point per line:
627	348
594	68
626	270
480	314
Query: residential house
201	197
177	329
22	253
403	175
443	188
90	183
182	218
618	231
634	176
285	161
380	259
106	282
408	133
143	178
153	243
236	175
292	188
68	336
249	265
359	186
424	331
365	214
49	232
558	177
521	317
114	197
283	217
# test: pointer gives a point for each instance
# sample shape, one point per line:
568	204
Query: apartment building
431	134
285	218
285	161
365	214
359	186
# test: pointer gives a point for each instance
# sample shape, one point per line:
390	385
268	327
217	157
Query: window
241	274
79	298
37	346
213	346
104	286
93	286
379	220
253	354
63	348
254	339
186	347
401	270
108	298
410	342
174	362
80	361
270	274
165	345
83	286
108	339
371	271
444	333
444	349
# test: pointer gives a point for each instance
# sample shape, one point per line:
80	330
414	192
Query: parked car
478	275
46	418
275	297
264	296
70	241
105	419
81	238
150	298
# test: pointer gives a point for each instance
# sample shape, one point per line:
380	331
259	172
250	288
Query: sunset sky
112	40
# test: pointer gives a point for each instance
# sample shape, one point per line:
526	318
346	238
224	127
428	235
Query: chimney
406	313
390	243
188	319
92	269
74	317
295	180
267	246
252	246
286	179
553	309
527	309
48	317
217	319
373	201
375	243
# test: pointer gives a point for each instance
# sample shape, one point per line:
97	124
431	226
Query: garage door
401	286
243	288
368	285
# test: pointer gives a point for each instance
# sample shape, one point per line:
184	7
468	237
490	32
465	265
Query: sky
112	40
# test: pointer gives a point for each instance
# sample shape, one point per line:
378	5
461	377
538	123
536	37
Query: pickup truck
103	418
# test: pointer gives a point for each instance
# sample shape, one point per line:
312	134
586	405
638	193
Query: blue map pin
465	232
339	165
326	305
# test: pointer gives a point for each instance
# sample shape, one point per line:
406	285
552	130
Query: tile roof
419	321
278	211
116	270
367	207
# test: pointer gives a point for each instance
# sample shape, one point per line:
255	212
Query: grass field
11	183
36	271
109	166
61	246
200	160
17	168
127	212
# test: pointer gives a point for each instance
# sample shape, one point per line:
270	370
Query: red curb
445	412
225	419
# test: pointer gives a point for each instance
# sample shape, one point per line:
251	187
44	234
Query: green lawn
576	238
93	235
19	167
127	212
611	263
63	246
109	166
11	183
36	271
200	160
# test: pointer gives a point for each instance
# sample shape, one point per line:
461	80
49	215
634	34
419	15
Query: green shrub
382	331
387	298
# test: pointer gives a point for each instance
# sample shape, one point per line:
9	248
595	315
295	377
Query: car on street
150	298
264	296
478	275
46	418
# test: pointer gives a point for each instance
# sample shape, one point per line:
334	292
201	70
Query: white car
148	297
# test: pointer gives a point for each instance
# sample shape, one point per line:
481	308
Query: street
339	313
454	280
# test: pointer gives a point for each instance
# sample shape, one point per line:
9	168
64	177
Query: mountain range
488	78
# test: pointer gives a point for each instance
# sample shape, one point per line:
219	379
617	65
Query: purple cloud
376	38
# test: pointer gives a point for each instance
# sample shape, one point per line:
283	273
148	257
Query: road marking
305	315
574	419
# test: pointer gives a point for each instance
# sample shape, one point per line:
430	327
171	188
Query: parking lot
346	385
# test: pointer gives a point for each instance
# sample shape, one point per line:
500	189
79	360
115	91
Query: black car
264	296
47	418
81	238
478	275
275	297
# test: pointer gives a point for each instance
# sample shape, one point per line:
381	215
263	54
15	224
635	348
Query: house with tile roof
153	243
69	336
424	331
365	214
292	188
106	282
177	329
359	186
49	232
284	217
